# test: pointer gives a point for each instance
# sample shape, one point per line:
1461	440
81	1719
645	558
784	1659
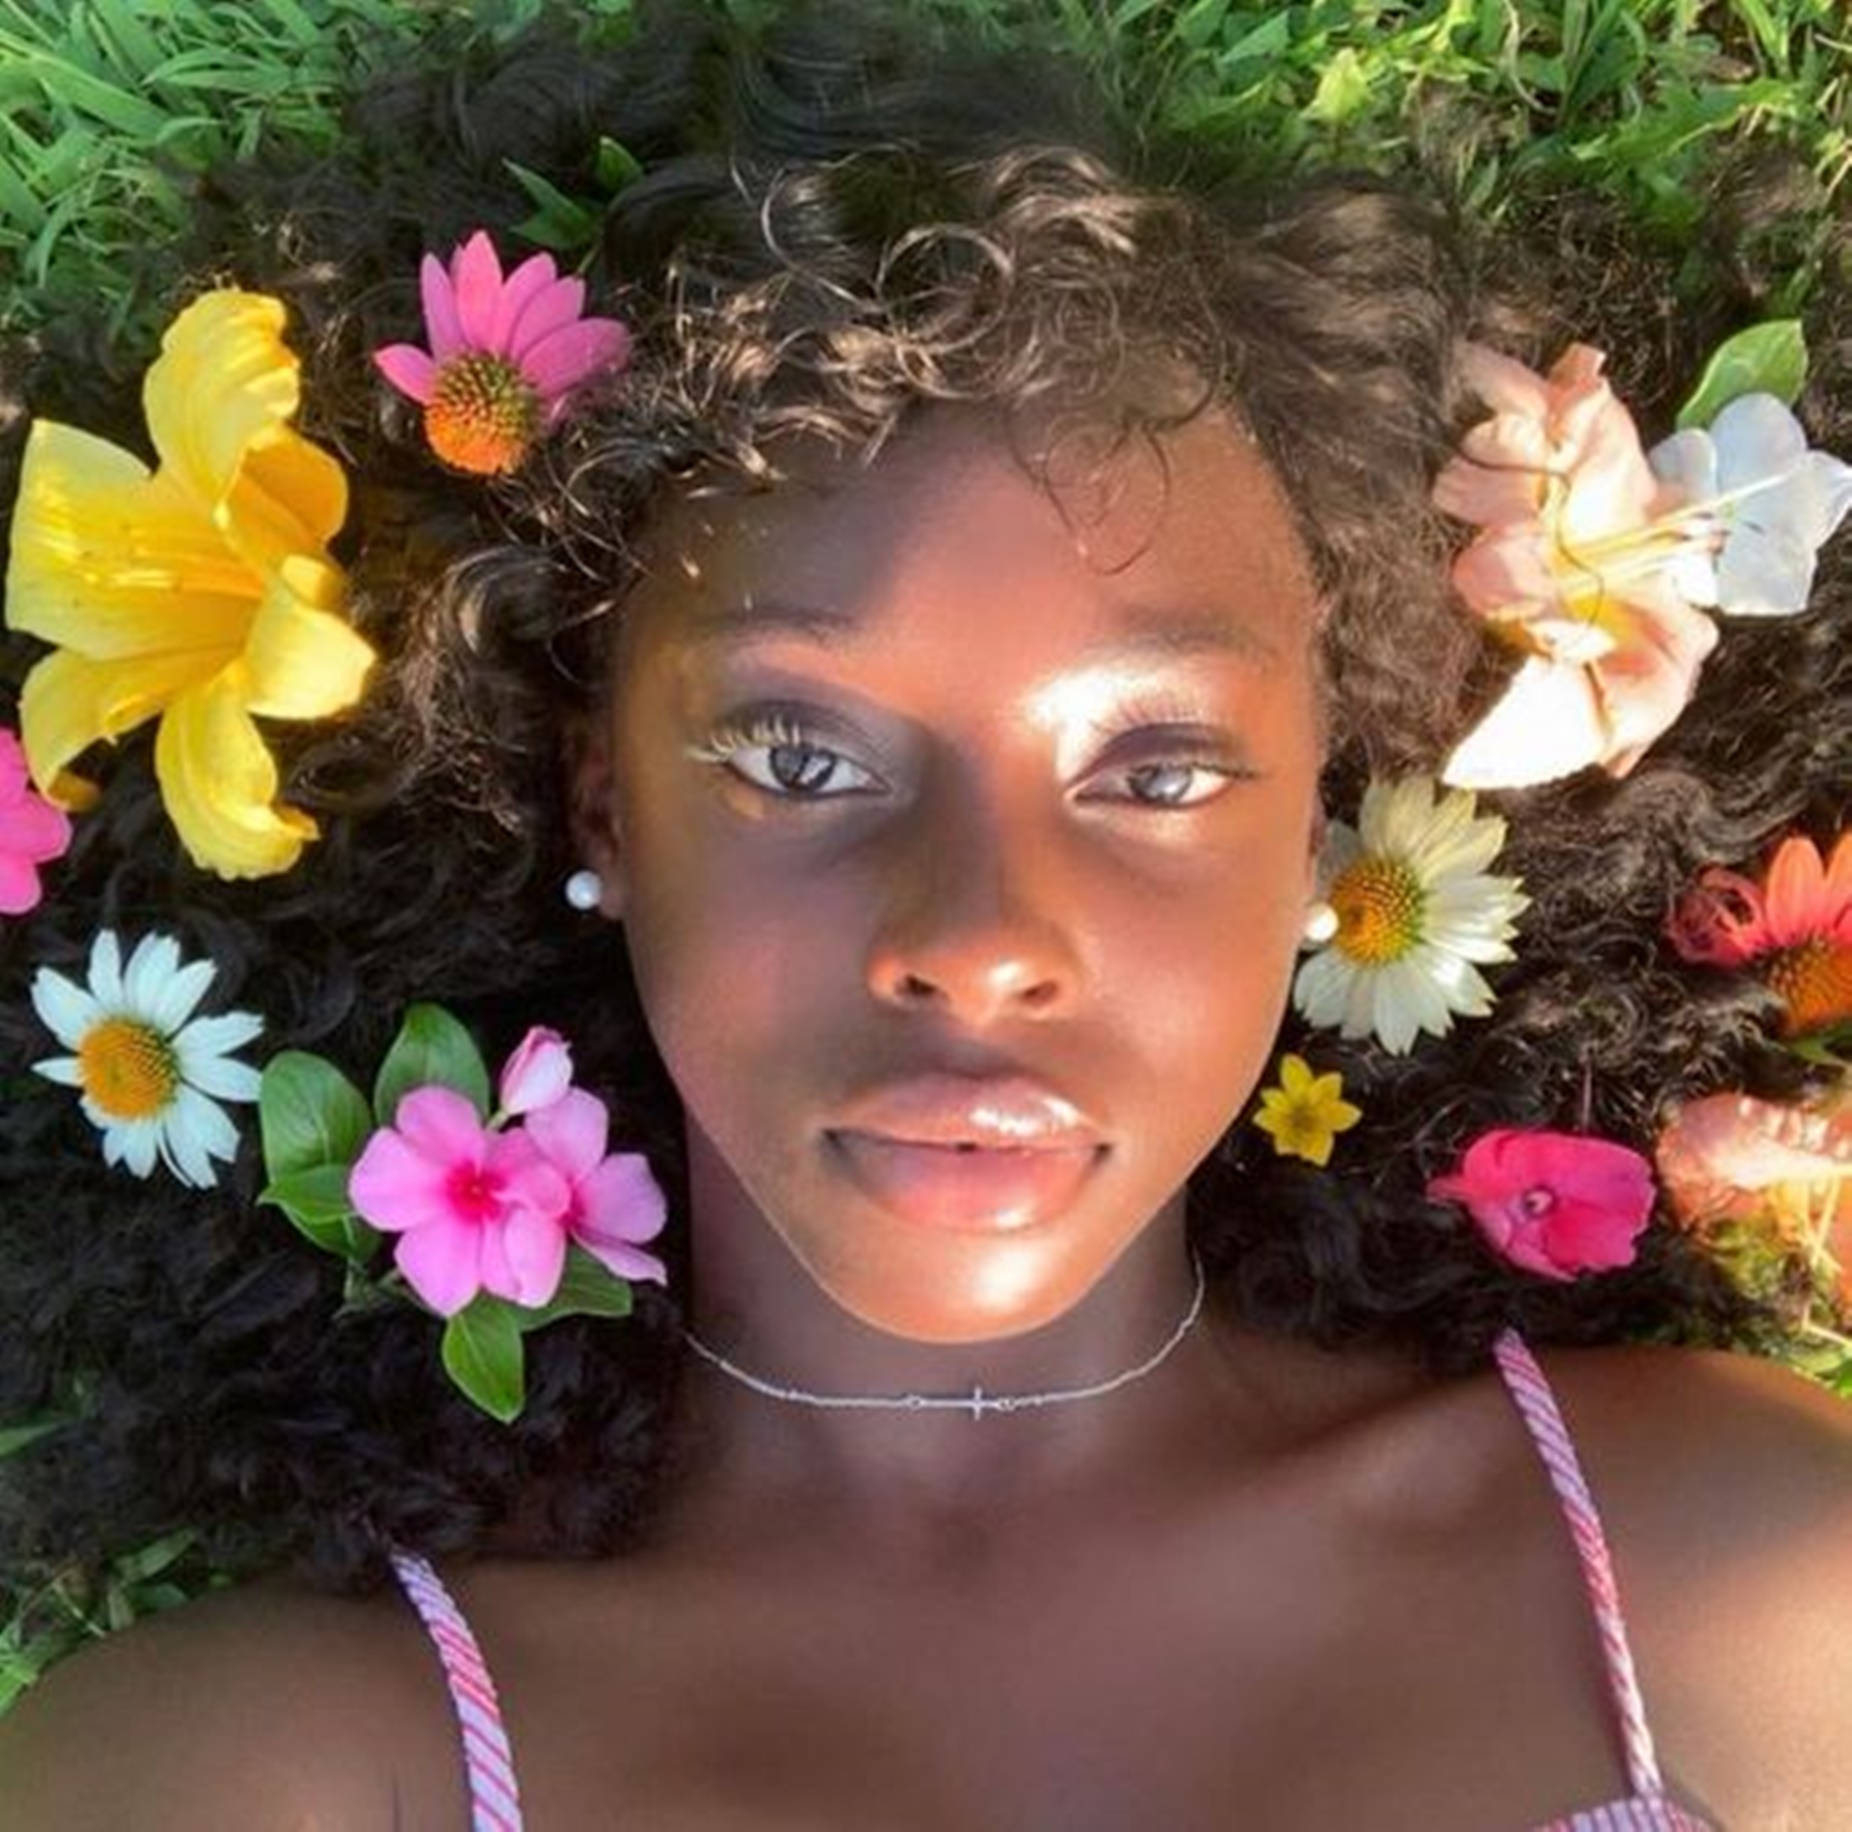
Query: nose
977	923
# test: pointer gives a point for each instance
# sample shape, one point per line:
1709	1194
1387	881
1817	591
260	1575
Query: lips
988	1154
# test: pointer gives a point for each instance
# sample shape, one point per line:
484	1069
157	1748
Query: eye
1173	783
775	754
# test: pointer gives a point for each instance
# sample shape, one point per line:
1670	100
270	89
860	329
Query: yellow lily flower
202	593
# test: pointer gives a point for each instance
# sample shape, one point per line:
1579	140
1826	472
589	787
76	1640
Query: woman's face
962	847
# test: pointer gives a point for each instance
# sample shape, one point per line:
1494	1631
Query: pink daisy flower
475	1210
1797	919
32	831
505	354
616	1204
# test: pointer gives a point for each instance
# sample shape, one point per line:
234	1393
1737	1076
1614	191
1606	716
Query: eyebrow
1148	632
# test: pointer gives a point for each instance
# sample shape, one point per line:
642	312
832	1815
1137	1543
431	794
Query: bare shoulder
265	1706
1725	1487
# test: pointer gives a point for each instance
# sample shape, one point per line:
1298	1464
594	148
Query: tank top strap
494	1800
1536	1403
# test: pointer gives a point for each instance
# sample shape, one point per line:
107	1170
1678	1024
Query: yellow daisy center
1379	904
1815	984
128	1068
483	413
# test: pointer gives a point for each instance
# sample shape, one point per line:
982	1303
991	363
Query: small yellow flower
202	593
1304	1114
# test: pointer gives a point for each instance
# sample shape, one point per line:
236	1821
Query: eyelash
779	730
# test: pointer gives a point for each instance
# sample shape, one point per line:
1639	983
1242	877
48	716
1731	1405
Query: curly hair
839	219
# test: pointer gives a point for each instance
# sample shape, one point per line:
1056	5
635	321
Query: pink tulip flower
32	831
505	355
1555	1203
615	1203
475	1210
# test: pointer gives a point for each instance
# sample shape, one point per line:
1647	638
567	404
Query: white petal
151	966
1764	572
1757	439
138	1144
64	1070
106	970
65	1008
222	1077
197	1131
1392	1015
1342	848
1547	725
1360	1002
1322	987
1687	461
174	1001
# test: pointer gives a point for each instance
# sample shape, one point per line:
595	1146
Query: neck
754	1304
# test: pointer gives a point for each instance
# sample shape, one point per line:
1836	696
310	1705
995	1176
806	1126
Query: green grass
109	109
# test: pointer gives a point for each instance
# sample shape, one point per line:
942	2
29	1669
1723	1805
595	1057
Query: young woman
925	651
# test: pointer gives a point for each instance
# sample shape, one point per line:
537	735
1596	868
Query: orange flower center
1814	980
1379	904
483	414
128	1068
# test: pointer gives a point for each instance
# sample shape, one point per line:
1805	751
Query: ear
591	805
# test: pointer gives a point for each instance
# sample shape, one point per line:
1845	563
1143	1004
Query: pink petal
20	889
441	324
620	1202
492	1265
1492	497
563	359
409	369
1586	1237
397	1187
1647	681
13	772
559	306
34	829
628	1262
537	1073
442	1265
570	1133
530	1184
1503	383
532	280
535	1246
442	1125
476	274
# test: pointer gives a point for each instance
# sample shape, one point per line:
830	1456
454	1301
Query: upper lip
999	1111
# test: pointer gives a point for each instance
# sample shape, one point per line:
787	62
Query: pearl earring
585	890
1321	922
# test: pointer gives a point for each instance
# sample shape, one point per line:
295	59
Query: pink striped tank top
495	1804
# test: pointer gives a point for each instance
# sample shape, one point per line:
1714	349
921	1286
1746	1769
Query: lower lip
985	1190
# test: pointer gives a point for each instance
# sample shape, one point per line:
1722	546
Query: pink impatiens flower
474	1209
537	1073
505	354
32	831
1576	564
1554	1203
616	1203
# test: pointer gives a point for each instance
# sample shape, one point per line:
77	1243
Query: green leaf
483	1355
561	222
1342	91
16	1437
316	1200
309	1114
431	1050
587	1288
1767	358
617	166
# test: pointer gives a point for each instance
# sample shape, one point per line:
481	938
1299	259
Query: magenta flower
1554	1203
32	831
504	355
475	1210
537	1074
616	1203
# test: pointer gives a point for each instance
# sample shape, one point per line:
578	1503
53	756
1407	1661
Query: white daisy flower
1415	909
150	1074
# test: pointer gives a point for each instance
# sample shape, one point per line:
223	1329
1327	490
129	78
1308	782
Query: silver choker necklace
977	1402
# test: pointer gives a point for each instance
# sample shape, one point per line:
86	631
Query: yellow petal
219	400
69	702
110	562
220	782
302	661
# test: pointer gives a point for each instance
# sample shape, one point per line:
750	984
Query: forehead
1176	539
